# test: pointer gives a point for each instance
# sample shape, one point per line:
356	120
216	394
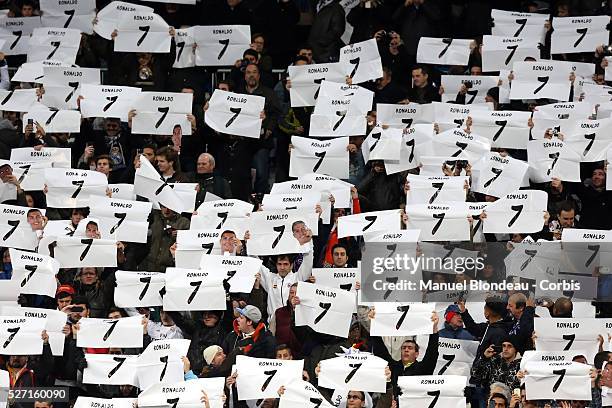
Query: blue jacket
459	334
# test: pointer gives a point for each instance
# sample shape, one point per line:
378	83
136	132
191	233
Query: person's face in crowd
598	178
89	276
306	52
227	242
218	359
27	10
476	70
299	63
126	389
177	131
166	319
251	76
112	127
144	311
498	402
487	271
525	403
63	302
103	166
76	217
204	165
378	167
508	351
356	140
292	293
233	3
563	11
35	219
517	238
186	90
223	87
606	375
210	319
438	278
163	164
340	257
456	321
258	44
354	333
339	212
115	314
599	79
251	59
6	257
43	404
144	58
76	316
244	324
299	231
91	230
408	352
419	78
171	8
166	212
283	266
29	200
566	218
580	359
149	153
515	311
284	354
18	361
354	399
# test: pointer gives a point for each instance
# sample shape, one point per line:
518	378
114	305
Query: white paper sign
138	289
73	188
61	44
104	333
306	80
21	335
109	17
339	278
262	377
578	34
161	362
238	271
236	114
552	159
360	371
35	273
393	319
497	175
439	222
515	24
358	224
185	53
80	252
184	394
522	211
546	79
193	289
142	32
505	129
499	53
221	45
328	157
325	310
443	391
148	183
476	92
443	51
271	231
107	101
362	61
110	369
17	100
412	140
16	31
557	380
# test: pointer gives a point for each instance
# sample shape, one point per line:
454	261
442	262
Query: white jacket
278	287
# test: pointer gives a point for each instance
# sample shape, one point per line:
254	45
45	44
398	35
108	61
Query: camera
607	50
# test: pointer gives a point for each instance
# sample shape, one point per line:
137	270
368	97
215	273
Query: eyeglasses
353	396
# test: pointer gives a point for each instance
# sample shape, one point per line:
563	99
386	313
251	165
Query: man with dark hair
563	307
104	166
422	90
494	329
340	256
167	164
499	401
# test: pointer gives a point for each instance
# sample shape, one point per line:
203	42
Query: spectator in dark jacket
250	335
416	19
326	31
523	312
379	191
208	181
422	90
493	330
453	325
408	364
